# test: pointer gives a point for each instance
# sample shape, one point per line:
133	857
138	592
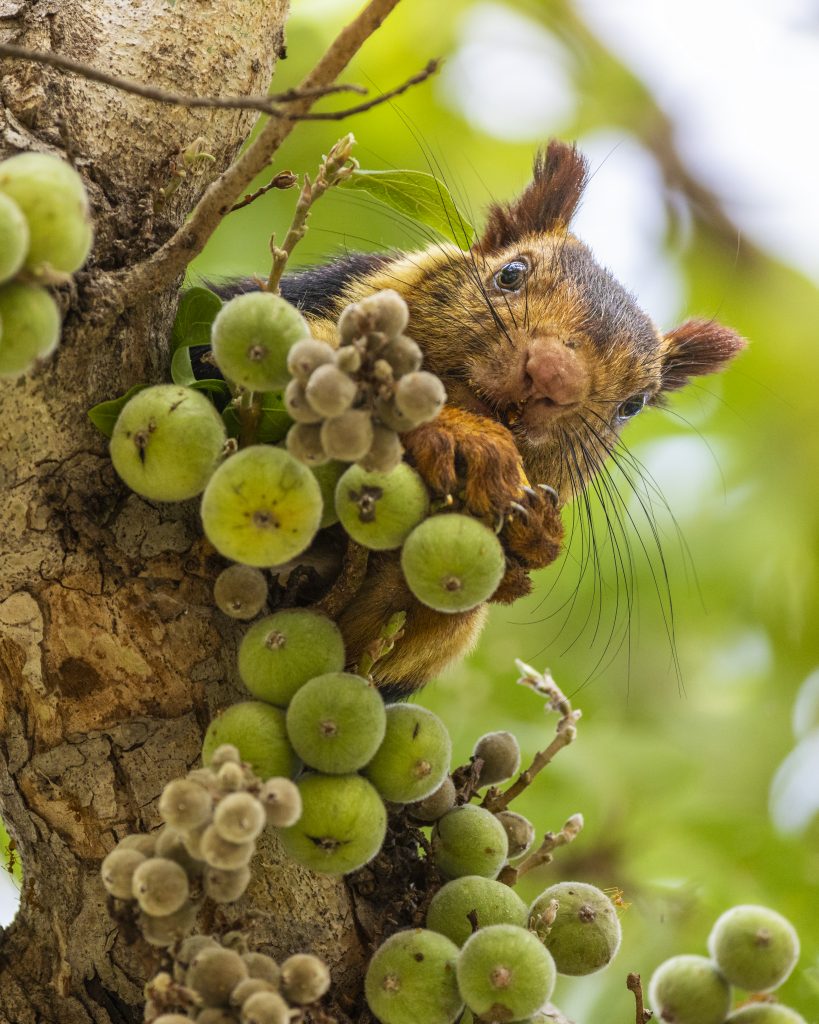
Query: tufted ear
697	347
548	202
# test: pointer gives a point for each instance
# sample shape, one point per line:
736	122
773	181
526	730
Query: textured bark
112	657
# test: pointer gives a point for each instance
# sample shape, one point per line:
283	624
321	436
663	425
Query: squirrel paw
533	532
470	457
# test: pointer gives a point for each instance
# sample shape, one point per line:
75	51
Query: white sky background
740	79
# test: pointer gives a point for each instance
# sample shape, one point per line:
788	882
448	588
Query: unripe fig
145	842
261	507
414	756
190	947
117	872
282	651
391	417
215	1015
231	778
348	359
160	886
765	1013
240	591
169	928
297	406
258	730
452	562
755	947
342	824
435	806
14	237
225	753
336	722
304	979
214	973
379	510
492	902
185	805
689	990
171	846
260	965
328	474
386	311
306	356
281	801
500	754
349	436
239	818
411	979
29	327
385	452
469	840
585	935
403	355
247	988
265	1008
52	198
519	831
304	442
167	442
330	391
225	886
419	396
252	336
505	973
172	1018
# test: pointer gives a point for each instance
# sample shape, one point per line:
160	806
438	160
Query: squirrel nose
555	371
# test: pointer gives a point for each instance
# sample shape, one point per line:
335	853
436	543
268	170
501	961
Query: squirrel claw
547	489
521	511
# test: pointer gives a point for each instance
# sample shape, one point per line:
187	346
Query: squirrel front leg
475	460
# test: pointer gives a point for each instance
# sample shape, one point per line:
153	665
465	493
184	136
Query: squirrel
544	356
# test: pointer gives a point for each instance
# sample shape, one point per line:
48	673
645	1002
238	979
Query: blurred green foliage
682	731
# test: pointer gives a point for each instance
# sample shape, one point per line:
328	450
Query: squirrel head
529	329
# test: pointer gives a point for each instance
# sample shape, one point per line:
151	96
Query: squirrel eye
626	410
511	277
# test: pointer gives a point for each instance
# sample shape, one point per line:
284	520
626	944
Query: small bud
118	869
330	391
239	818
420	396
225	886
297	405
305	443
500	754
240	591
347	437
436	804
305	978
385	452
282	802
305	356
160	886
519	831
403	355
348	359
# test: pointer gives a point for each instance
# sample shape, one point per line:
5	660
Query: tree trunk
112	657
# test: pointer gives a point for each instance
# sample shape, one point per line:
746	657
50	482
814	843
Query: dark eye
511	277
626	410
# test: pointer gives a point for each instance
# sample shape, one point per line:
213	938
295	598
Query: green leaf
196	312
215	386
105	414
273	422
420	196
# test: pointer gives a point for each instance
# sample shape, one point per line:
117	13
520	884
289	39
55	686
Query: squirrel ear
697	347
548	202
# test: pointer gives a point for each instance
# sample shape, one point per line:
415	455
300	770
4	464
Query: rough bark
112	657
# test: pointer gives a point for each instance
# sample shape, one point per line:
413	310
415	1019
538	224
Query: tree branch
264	104
126	287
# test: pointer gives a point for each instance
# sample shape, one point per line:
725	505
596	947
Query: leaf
105	414
420	196
182	368
216	386
196	312
273	422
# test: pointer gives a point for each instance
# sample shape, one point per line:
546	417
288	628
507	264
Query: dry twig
283	180
544	854
633	984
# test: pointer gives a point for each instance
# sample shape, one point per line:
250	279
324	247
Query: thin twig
633	984
283	180
339	115
544	854
162	268
566	731
334	168
264	104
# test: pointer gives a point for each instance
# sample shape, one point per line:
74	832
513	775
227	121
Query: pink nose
555	371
